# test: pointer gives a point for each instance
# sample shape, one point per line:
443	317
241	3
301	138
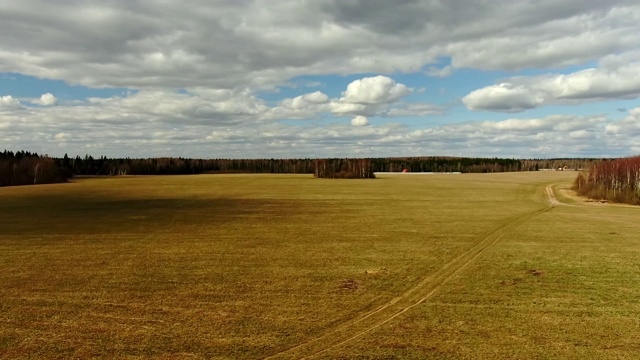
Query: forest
23	167
90	166
615	180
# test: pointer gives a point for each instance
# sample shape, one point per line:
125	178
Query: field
493	266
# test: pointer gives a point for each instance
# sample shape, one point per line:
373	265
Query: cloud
48	99
208	107
359	121
121	127
306	106
339	107
180	108
443	72
415	109
201	70
8	102
593	84
505	97
152	44
62	136
374	90
526	125
369	96
315	98
551	35
629	127
204	123
306	100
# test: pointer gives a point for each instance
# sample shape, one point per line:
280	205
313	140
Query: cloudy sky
320	78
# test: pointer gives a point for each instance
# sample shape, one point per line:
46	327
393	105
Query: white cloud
505	97
629	127
188	108
340	107
306	106
374	90
306	100
552	34
527	125
160	123
369	96
443	72
9	102
48	99
121	127
359	121
62	136
199	69
315	98
593	84
415	109
582	134
153	44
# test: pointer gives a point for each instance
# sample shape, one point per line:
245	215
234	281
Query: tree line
28	168
169	166
615	180
25	168
344	168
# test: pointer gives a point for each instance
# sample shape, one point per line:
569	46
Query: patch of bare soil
534	272
350	284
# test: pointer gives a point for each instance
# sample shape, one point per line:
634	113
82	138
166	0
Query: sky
321	78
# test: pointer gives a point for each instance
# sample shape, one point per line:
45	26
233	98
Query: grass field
288	266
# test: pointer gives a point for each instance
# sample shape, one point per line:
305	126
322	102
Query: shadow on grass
67	214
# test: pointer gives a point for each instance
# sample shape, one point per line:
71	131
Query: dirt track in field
551	196
416	295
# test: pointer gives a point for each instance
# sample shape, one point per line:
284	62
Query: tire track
551	195
553	199
416	295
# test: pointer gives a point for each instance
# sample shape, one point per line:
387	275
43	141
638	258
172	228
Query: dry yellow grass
249	266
